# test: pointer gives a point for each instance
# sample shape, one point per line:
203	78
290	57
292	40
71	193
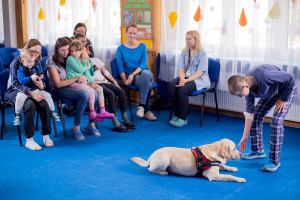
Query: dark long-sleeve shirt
14	85
272	82
24	76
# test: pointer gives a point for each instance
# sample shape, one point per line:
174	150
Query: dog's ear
225	151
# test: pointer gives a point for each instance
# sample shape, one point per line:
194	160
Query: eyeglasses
36	52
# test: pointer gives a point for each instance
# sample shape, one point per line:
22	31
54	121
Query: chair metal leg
129	101
19	133
54	126
5	129
37	121
170	117
217	108
62	117
3	120
155	95
202	110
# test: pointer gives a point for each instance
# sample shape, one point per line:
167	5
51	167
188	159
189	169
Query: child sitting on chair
31	76
78	64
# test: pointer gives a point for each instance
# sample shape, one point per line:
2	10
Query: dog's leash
202	162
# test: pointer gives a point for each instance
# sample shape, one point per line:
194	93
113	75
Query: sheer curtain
102	23
1	24
265	39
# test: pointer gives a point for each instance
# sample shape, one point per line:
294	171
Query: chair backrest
14	55
114	69
43	62
5	53
3	82
213	71
1	65
44	51
2	45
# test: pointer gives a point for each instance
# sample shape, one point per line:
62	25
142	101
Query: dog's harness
201	161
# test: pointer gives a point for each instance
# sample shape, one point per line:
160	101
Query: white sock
29	139
46	137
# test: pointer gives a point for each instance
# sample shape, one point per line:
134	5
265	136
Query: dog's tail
140	161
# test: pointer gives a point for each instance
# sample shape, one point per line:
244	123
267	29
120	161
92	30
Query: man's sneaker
251	155
270	166
140	111
55	116
78	135
17	120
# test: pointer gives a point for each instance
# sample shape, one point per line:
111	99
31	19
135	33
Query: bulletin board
140	13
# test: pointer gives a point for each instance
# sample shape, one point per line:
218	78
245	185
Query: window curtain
271	35
102	21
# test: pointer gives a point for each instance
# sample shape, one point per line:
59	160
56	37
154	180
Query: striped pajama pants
277	131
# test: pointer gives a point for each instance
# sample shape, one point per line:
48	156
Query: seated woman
133	69
36	102
56	66
192	75
111	89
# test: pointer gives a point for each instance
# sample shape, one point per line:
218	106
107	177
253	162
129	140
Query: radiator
237	104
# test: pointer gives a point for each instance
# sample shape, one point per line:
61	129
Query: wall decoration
127	17
147	17
62	2
275	11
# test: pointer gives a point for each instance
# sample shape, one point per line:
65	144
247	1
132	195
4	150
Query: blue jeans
80	97
143	81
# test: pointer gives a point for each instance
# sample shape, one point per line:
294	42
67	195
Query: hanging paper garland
243	20
58	15
94	3
224	27
275	11
197	14
173	18
42	14
62	2
86	23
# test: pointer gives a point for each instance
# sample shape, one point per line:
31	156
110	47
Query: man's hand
279	106
243	144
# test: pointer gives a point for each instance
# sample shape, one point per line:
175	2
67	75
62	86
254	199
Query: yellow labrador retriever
182	161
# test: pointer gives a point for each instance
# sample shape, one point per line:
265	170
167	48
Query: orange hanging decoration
243	20
197	14
62	2
94	3
173	18
58	15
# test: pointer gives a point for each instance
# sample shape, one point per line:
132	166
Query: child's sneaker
105	115
55	116
270	166
17	120
251	155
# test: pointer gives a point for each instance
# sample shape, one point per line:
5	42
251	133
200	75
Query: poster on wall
138	12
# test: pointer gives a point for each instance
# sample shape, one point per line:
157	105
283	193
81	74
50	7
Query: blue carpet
100	168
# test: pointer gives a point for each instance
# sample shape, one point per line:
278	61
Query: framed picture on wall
147	17
127	17
139	17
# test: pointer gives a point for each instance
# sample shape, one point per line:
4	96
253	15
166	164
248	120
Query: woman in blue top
133	69
192	75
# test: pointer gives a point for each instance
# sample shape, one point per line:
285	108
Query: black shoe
130	125
121	128
68	112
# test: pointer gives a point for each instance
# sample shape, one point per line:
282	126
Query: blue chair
44	51
14	55
1	65
5	53
213	72
2	45
115	74
4	75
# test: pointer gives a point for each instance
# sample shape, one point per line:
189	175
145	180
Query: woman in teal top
192	75
133	69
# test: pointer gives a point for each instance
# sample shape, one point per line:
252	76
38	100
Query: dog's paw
241	180
232	169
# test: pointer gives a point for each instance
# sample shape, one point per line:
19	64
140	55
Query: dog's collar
202	162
